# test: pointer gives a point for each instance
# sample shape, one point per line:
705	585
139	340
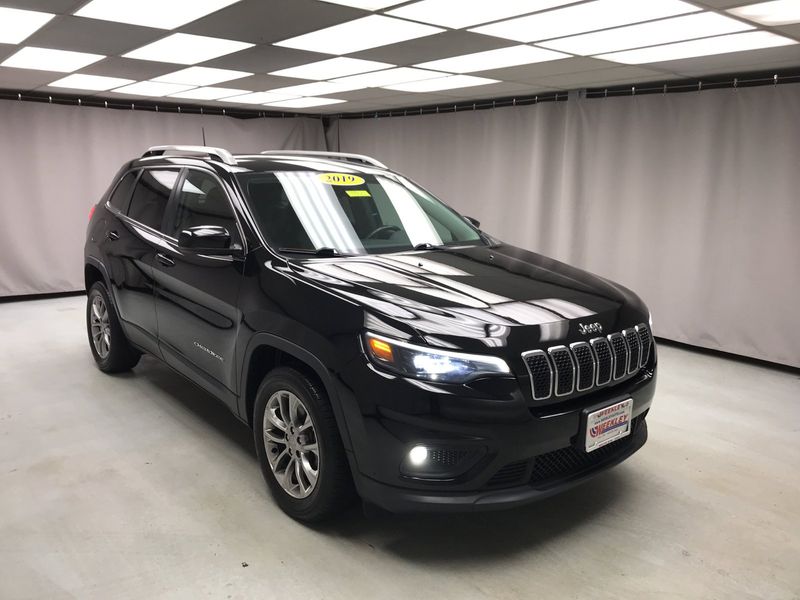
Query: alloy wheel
100	326
291	444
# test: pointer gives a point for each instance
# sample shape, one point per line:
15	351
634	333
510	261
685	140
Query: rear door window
151	195
122	193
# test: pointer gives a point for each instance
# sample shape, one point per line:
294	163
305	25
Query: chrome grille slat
561	370
585	365
646	339
634	348
541	372
564	365
620	351
605	360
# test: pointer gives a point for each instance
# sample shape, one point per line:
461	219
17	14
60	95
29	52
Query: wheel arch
266	352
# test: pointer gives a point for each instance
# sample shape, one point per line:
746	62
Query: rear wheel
110	347
299	447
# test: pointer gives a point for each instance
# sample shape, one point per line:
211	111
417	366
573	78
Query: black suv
375	341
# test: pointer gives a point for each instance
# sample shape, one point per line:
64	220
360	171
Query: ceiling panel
721	3
267	21
265	59
441	45
26	79
610	77
90	35
129	68
261	82
536	71
753	60
59	7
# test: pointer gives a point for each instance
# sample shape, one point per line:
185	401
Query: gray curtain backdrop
689	199
56	161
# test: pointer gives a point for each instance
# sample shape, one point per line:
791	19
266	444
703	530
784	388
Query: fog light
441	463
418	455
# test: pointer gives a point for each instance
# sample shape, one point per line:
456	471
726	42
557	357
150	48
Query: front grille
560	371
570	461
561	464
510	475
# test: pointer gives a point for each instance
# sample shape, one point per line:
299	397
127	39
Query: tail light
91	211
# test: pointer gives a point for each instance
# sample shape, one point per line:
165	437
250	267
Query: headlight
429	363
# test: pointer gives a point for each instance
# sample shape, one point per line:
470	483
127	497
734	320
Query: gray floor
139	486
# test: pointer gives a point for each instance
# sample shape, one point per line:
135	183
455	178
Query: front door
196	294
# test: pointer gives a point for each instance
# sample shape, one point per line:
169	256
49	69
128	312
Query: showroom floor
140	486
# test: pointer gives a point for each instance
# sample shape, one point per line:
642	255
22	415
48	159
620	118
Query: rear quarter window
122	193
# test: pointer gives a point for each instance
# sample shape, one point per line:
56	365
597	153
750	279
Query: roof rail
219	154
345	156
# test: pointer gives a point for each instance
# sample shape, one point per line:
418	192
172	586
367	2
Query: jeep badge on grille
585	328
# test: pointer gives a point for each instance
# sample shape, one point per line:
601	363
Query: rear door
196	294
138	205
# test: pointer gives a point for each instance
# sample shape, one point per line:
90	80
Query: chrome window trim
525	355
555	368
577	363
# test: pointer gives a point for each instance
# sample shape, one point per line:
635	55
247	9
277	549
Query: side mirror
475	223
207	239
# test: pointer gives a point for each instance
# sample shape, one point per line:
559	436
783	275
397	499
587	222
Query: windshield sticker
358	194
340	179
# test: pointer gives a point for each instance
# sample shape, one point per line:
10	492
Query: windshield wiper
428	246
325	252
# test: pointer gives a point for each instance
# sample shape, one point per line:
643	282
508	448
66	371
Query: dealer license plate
608	424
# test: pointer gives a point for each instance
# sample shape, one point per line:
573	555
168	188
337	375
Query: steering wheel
382	229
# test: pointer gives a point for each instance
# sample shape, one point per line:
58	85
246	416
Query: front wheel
299	447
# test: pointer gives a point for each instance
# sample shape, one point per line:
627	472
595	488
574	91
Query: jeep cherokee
377	342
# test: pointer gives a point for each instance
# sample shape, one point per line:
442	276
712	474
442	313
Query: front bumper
512	461
401	500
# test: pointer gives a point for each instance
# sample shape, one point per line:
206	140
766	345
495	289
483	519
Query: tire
287	456
113	353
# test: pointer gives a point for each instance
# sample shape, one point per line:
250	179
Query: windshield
347	213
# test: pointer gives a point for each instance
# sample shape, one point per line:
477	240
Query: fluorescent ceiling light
493	59
441	83
665	31
332	68
361	34
305	102
258	98
779	12
45	59
387	77
736	42
151	88
591	16
318	88
365	4
17	25
187	49
201	76
162	14
209	93
470	12
90	82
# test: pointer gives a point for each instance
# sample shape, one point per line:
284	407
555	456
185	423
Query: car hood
476	298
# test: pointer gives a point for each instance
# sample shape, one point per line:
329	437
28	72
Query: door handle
165	260
112	235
